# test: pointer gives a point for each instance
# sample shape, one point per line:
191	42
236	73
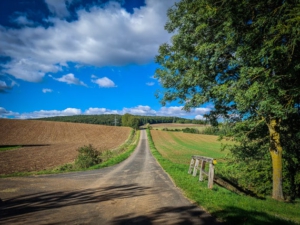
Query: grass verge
224	204
120	154
7	148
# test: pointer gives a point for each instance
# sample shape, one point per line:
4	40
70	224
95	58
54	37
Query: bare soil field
46	144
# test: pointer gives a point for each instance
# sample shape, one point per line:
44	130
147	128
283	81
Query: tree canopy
242	56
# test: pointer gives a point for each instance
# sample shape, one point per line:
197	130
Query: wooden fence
202	160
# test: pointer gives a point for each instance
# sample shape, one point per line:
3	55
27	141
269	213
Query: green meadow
173	151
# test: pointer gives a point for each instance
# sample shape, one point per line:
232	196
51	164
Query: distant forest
116	120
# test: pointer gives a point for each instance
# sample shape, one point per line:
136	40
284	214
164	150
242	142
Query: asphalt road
136	191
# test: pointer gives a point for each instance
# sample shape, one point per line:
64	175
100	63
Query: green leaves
242	56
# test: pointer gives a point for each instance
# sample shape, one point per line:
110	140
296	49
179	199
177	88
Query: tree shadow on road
184	215
15	210
26	204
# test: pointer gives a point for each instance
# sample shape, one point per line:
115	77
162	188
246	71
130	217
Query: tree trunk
276	154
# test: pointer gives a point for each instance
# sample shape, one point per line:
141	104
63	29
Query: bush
211	130
88	156
191	130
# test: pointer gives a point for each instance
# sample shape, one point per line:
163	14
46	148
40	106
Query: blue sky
70	57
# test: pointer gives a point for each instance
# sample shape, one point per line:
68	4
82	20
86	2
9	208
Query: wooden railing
198	163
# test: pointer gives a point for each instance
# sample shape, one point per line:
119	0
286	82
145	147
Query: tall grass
220	202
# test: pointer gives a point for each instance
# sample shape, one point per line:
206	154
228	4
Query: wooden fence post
191	166
202	167
211	175
196	167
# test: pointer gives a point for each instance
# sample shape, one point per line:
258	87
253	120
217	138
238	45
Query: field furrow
50	144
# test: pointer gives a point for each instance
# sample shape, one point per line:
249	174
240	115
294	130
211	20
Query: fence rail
202	160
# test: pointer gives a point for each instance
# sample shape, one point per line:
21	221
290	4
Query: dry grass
160	126
50	144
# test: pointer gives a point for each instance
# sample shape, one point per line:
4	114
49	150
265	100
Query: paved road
136	191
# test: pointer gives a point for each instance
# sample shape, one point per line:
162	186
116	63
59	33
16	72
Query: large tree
243	56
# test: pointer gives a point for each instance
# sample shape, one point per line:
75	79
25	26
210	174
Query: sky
72	57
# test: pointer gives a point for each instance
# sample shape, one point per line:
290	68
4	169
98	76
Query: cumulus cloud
70	79
178	111
5	113
139	110
104	82
49	113
142	110
4	87
22	20
58	7
47	90
99	111
202	111
96	38
150	83
199	117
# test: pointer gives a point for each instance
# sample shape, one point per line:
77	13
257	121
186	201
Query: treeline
121	120
109	120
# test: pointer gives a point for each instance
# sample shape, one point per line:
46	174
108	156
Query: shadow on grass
231	186
235	215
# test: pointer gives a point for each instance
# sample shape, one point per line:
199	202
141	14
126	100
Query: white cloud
5	113
104	82
46	90
4	86
58	7
99	111
139	110
199	117
22	20
172	111
94	76
150	83
49	113
179	112
202	111
143	110
70	79
96	38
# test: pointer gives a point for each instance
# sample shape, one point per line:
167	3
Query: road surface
136	191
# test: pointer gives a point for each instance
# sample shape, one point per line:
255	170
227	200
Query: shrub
191	130
87	157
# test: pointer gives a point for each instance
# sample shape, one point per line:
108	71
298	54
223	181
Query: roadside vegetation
8	148
236	206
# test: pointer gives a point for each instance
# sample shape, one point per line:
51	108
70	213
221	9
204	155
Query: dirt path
137	191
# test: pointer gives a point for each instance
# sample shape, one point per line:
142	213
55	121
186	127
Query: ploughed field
45	144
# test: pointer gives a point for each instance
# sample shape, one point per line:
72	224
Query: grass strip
224	204
122	153
8	148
